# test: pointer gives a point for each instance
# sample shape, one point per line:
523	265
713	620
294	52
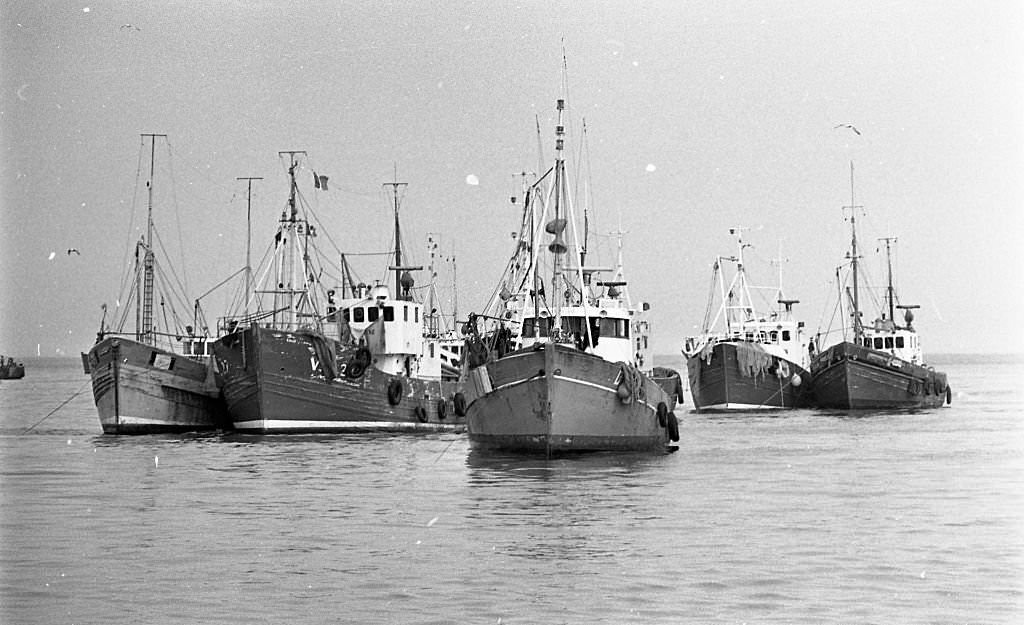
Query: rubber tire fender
395	392
673	427
662	414
459	402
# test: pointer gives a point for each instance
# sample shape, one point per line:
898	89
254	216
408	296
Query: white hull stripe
736	406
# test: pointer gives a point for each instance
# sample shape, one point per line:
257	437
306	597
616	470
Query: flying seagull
850	126
72	250
130	27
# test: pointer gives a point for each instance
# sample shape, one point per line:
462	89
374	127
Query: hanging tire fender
662	413
395	392
459	403
673	427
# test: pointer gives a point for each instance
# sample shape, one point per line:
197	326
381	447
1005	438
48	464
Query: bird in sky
72	250
130	27
850	126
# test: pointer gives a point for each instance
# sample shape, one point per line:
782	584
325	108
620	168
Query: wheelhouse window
372	313
899	342
531	326
358	315
888	342
617	328
786	335
389	313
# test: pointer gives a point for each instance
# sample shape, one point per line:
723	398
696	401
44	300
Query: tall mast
858	329
287	276
890	293
144	331
395	187
557	226
248	241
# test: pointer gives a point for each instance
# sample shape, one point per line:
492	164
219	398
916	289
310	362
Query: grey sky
701	116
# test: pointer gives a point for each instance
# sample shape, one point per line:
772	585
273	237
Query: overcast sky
701	116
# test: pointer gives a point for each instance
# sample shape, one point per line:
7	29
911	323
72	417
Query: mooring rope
62	404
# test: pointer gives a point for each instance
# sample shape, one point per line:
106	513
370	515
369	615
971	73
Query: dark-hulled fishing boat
325	357
560	360
747	357
881	366
157	378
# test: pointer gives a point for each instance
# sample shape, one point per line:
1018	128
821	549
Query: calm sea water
798	517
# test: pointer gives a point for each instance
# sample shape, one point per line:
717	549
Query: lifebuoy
459	402
421	414
442	409
673	427
394	392
662	414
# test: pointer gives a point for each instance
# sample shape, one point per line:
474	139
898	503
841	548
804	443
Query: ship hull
850	377
289	382
141	389
553	398
737	376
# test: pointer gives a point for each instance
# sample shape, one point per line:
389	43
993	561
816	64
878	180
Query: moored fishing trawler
317	357
747	357
877	366
560	360
157	378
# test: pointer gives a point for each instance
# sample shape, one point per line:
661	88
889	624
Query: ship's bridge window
878	342
530	327
899	342
773	336
416	314
405	313
372	313
617	328
358	315
888	342
389	313
785	335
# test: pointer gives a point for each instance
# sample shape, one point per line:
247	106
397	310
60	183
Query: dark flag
316	180
323	182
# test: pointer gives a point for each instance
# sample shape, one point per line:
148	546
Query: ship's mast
287	274
890	293
858	328
248	241
395	188
557	226
144	330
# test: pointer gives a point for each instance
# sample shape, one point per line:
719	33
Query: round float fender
394	392
662	413
673	427
623	393
459	403
949	395
421	414
442	409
